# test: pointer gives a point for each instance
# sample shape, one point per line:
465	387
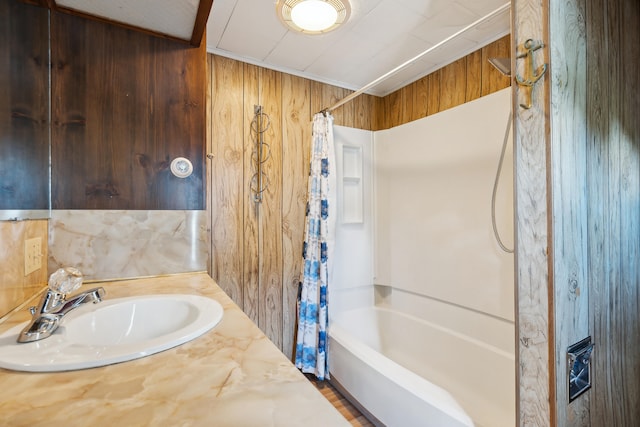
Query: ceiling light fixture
313	16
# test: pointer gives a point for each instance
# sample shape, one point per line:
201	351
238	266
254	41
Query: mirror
24	112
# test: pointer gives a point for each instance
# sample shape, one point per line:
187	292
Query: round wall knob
181	167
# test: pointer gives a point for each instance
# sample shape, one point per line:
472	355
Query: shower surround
428	274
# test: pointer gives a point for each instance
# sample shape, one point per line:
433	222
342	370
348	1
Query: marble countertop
231	376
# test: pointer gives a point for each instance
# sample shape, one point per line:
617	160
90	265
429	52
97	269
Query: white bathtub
396	367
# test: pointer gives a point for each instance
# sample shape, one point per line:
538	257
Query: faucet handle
65	280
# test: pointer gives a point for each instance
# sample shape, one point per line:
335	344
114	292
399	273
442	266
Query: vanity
231	376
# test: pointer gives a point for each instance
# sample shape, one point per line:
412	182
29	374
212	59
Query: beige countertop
231	376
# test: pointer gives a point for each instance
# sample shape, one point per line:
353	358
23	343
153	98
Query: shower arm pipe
368	86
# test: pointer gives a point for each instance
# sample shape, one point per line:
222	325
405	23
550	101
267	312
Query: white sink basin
113	331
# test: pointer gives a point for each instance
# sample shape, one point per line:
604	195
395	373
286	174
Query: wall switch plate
32	255
579	367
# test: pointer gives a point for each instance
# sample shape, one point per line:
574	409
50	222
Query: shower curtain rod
415	58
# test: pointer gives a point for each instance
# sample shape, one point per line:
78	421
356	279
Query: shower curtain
311	344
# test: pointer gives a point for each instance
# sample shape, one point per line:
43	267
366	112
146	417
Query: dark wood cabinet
24	112
124	104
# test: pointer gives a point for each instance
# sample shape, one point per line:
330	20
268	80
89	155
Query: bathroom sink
113	331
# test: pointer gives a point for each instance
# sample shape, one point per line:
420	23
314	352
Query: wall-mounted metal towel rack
261	152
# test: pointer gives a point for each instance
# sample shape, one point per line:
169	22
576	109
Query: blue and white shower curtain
311	344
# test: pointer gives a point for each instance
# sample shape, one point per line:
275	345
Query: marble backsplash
15	286
115	244
103	245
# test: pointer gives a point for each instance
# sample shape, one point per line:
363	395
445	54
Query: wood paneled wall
534	303
124	104
461	81
613	206
256	249
568	156
24	106
578	254
256	252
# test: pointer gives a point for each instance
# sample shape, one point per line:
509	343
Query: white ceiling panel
407	75
238	48
452	51
349	53
174	18
362	7
386	23
482	7
307	48
218	19
252	30
364	75
379	36
426	8
492	29
401	51
445	23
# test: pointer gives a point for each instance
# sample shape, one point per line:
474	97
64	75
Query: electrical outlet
32	255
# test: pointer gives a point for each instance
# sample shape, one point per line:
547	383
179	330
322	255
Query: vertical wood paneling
349	109
569	196
227	189
613	329
407	102
394	108
536	381
627	319
343	116
67	131
492	79
296	135
380	119
251	228
453	84
629	90
364	111
124	105
474	75
420	99
595	164
614	229
179	84
257	257
318	102
24	127
433	83
598	218
270	213
329	95
461	81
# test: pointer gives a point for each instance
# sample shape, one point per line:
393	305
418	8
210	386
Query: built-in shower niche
352	283
352	191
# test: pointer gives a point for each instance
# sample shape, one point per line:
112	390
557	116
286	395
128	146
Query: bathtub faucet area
54	304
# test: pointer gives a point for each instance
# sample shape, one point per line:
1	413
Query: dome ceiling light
313	16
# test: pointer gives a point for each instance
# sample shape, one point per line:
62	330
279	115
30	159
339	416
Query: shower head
502	64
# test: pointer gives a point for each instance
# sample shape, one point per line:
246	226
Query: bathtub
394	367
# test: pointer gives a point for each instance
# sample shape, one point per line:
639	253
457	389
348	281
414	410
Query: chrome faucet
54	305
